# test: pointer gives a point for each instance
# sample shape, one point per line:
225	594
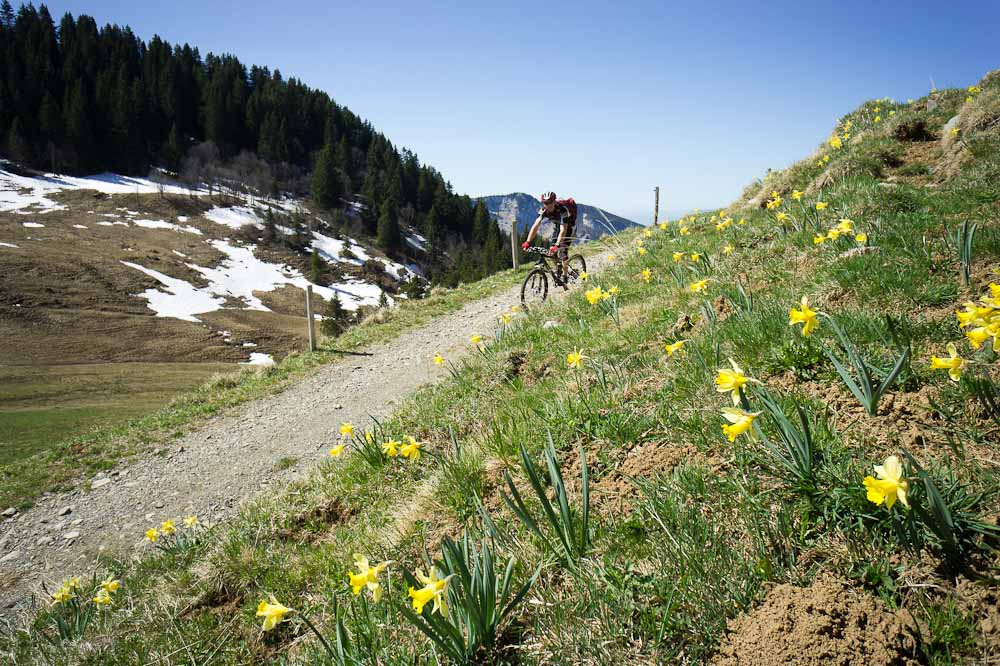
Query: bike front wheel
577	265
535	289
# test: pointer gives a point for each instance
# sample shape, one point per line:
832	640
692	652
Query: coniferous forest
78	98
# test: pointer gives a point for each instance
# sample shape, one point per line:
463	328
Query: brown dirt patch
827	623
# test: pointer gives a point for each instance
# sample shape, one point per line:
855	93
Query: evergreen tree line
80	99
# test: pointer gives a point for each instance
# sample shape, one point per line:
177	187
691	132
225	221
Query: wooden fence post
309	316
514	249
656	205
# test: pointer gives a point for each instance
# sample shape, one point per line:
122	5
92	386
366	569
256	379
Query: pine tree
172	150
6	15
388	237
342	159
326	182
79	135
317	267
270	228
17	145
335	320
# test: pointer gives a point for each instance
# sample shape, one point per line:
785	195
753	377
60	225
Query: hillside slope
760	436
522	209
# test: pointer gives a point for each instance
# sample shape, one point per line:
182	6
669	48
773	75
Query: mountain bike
536	285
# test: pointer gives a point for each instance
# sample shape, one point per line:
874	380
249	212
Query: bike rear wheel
577	265
535	288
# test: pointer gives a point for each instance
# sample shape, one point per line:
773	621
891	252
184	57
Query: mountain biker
563	214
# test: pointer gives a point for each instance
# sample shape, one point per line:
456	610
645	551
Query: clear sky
596	100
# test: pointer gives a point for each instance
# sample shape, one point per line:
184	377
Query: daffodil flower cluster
845	227
167	536
367	577
69	592
981	324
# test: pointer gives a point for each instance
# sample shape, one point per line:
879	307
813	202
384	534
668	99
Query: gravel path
212	471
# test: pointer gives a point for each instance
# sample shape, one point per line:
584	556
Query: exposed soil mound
826	624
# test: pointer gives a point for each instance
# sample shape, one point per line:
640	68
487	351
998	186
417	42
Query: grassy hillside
761	538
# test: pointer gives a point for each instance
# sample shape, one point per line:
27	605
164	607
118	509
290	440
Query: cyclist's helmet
548	197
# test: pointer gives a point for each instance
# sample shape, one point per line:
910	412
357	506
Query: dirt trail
232	458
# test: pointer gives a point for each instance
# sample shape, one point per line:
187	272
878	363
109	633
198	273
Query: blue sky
596	100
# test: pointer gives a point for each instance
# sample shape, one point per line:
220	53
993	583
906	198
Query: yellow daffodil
723	224
955	131
685	231
347	429
72	583
954	364
699	286
819	239
517	308
678	256
642	251
727	249
438	359
109	584
647	274
835	142
167	527
191	521
877	109
782	216
410	450
273	613
890	484
152	535
663	226
640	242
337	450
613	291
833	234
742	221
584	276
391	448
647	233
826	158
367	576
475	339
774	201
611	258
797	194
861	238
740	421
846	136
62	595
878	119
731	381
805	315
845	226
821	205
672	347
575	358
505	317
594	295
695	256
102	598
434	589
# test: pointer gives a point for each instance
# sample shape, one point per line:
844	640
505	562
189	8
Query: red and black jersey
564	211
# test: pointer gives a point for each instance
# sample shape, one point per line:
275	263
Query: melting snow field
9	245
26	192
33	225
235	217
259	358
238	276
161	224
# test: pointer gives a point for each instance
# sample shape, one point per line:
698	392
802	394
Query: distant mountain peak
522	208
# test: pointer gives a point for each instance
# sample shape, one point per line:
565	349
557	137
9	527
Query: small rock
65	510
9	512
77	522
98	483
158	505
338	406
550	324
10	557
43	541
71	535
